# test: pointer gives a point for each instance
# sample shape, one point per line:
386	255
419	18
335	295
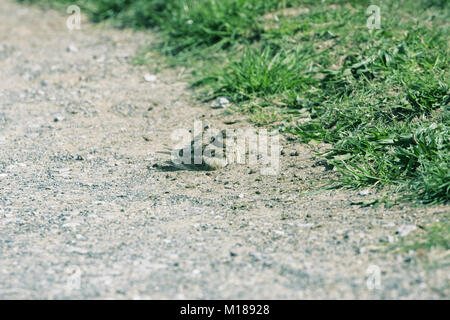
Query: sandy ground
86	213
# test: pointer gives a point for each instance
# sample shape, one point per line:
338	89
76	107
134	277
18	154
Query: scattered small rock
405	230
71	48
150	77
221	103
364	192
407	259
99	59
80	237
305	225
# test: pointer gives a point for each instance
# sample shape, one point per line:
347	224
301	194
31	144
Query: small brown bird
206	152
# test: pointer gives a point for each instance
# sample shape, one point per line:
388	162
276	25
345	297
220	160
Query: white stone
150	77
221	103
405	230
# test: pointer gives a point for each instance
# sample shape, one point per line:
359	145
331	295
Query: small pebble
150	77
405	230
221	103
72	48
364	192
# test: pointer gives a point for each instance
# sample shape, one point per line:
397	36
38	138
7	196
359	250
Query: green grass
434	236
430	243
313	69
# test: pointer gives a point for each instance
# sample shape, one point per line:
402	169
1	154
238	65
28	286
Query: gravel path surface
85	213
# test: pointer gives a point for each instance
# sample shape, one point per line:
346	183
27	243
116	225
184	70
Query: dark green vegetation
314	69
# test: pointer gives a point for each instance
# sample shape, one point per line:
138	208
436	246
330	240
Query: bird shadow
172	167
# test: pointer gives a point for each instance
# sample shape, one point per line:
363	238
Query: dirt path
84	214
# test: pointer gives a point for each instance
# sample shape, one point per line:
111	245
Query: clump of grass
380	97
434	236
267	73
194	24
